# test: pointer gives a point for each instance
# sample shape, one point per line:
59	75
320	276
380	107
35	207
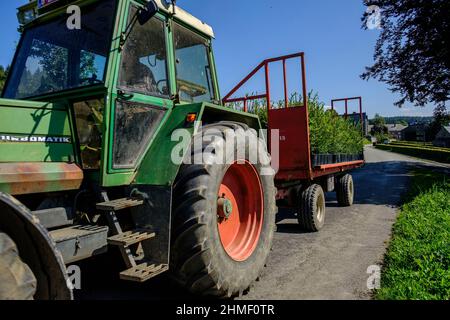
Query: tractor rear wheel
17	281
224	214
345	190
311	215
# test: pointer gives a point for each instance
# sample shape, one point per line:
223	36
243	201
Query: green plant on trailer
329	133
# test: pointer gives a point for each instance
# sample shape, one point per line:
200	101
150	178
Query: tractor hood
36	148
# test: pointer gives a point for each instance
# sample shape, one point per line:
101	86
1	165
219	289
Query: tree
412	54
379	126
3	75
441	118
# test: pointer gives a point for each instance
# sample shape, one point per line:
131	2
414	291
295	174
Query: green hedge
329	132
440	155
419	145
413	143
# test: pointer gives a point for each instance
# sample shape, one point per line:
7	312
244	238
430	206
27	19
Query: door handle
125	95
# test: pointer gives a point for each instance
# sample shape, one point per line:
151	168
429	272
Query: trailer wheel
311	215
16	278
224	216
345	190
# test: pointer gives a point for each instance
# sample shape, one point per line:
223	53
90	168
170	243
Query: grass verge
417	264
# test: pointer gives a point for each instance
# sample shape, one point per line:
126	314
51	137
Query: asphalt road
331	264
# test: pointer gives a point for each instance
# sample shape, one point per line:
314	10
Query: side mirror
148	12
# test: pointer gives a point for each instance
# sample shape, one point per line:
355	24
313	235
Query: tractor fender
36	247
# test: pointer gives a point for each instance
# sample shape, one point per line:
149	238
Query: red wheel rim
240	231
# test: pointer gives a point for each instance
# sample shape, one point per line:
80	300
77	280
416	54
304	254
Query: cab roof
186	17
164	5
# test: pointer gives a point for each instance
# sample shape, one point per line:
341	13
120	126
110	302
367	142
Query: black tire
311	215
345	190
198	258
17	281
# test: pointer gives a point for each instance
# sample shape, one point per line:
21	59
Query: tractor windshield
52	58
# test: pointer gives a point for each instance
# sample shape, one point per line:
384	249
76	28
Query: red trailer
301	183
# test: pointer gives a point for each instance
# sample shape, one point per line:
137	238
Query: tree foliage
3	75
441	118
379	126
412	54
329	132
51	72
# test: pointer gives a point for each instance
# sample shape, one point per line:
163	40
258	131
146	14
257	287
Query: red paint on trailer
295	163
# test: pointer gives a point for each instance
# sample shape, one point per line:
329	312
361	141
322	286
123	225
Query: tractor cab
94	82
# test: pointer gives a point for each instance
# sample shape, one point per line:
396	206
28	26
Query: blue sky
328	31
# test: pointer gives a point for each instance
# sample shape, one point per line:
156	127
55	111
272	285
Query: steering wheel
92	80
45	88
163	90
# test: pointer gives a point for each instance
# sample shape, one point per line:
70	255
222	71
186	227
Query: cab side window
193	66
144	59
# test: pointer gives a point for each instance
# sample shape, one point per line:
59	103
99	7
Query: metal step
119	204
131	237
143	272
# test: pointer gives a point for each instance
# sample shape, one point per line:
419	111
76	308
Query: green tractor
88	117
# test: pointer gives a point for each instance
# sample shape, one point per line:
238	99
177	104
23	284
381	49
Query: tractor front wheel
224	214
17	281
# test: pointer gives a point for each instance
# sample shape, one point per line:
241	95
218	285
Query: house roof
395	127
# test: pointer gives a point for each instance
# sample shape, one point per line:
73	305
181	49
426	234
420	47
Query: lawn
417	264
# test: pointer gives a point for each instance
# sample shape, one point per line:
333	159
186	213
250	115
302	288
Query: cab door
141	101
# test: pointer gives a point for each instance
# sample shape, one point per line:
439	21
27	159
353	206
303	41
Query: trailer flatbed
299	179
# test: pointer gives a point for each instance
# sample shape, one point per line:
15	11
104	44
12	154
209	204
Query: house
443	138
356	119
395	130
416	132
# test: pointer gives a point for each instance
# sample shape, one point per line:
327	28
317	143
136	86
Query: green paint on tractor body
72	96
34	132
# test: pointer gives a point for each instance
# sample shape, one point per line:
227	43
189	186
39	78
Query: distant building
356	118
443	138
395	130
416	132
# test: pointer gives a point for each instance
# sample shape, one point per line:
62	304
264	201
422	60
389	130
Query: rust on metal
27	178
340	165
337	168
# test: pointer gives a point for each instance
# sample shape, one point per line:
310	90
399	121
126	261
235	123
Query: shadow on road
292	228
382	183
100	281
386	183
